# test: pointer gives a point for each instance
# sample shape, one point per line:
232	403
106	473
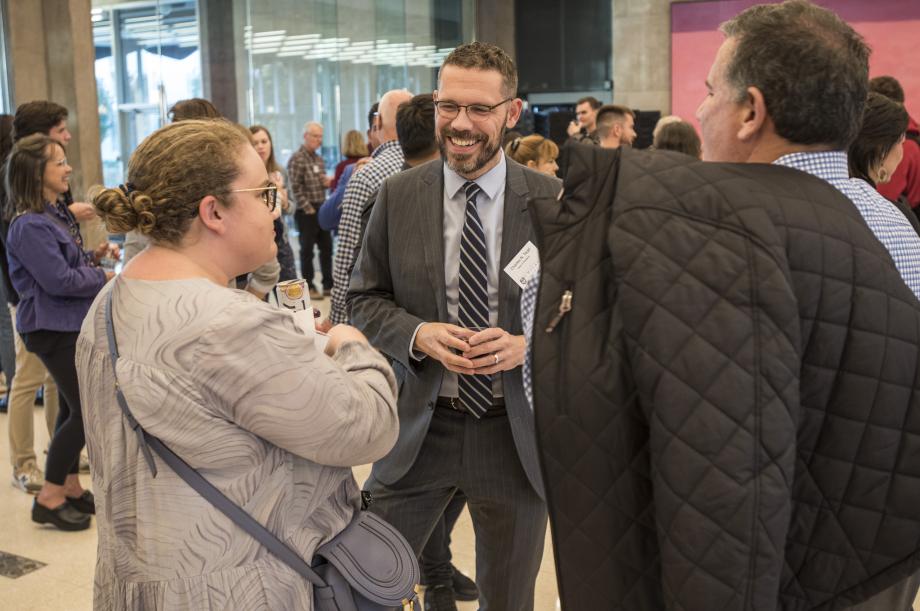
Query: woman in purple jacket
56	280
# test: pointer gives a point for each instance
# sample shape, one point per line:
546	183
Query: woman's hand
82	211
100	252
283	200
340	334
277	179
105	249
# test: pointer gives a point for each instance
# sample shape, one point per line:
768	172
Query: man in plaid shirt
386	160
307	173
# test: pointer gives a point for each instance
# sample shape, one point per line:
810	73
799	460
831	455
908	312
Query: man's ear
753	114
211	214
515	108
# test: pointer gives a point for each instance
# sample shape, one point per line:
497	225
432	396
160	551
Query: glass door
147	58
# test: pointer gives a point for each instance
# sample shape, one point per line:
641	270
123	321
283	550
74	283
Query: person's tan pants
30	375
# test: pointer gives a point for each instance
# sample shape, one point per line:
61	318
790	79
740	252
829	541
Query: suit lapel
430	196
515	233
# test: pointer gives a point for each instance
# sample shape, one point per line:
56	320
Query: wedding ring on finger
497	358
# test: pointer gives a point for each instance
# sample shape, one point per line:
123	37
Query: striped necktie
475	390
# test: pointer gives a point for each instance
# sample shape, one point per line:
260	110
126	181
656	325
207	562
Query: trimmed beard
469	164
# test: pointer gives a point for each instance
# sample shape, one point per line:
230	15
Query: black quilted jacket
728	416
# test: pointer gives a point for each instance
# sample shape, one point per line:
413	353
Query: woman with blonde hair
353	149
536	152
230	384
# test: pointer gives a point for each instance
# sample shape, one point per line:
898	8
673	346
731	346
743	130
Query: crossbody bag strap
196	480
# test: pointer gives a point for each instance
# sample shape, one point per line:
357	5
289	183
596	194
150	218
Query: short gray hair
811	67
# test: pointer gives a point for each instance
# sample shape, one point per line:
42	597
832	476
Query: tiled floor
65	580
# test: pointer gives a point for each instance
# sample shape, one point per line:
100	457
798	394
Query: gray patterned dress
234	388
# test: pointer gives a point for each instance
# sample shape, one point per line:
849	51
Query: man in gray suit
430	291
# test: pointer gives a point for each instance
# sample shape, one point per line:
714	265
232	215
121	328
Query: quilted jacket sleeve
711	330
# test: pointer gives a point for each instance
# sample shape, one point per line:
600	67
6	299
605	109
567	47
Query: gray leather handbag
369	566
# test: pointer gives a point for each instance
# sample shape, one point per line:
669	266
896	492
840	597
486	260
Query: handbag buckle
409	605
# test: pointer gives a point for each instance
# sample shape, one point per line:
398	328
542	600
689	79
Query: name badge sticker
316	168
524	265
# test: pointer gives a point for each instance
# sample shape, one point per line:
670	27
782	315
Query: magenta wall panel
891	27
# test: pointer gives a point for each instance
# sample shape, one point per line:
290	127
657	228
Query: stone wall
642	54
51	57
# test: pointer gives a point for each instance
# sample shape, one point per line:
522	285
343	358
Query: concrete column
52	57
218	62
27	58
495	24
642	54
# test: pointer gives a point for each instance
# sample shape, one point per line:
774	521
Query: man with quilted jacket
726	357
815	113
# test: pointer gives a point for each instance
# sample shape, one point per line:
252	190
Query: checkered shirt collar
831	166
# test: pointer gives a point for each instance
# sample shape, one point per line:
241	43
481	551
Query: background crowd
430	369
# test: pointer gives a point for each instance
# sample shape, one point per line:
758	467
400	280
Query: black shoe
440	598
64	516
40	396
464	588
86	503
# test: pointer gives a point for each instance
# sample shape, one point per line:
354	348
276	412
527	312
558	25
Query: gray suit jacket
398	283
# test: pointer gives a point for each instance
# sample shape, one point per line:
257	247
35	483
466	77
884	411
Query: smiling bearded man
442	310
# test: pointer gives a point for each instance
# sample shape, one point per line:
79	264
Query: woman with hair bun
536	152
879	148
229	383
56	280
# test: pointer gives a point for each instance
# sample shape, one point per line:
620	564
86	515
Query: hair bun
125	209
